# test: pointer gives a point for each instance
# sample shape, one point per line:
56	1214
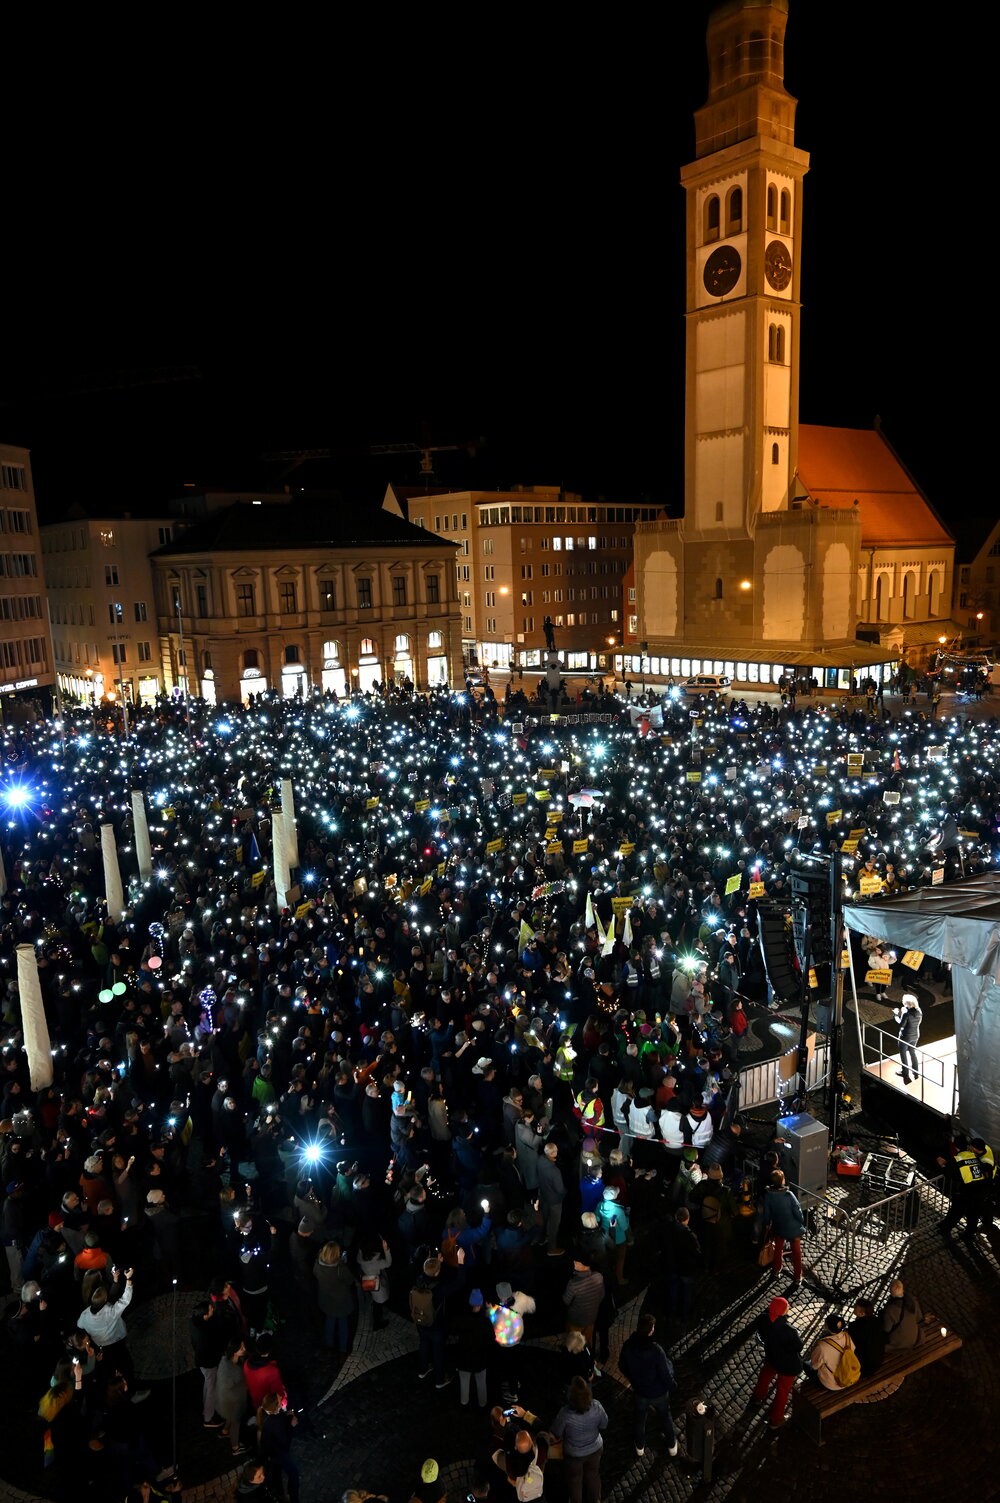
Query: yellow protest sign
422	805
733	883
857	834
493	846
620	906
546	772
878	978
580	847
542	794
913	959
372	803
833	816
303	908
855	761
360	886
813	979
551	833
555	816
627	847
442	868
390	880
694	777
969	834
819	771
554	847
519	798
937	876
756	889
869	885
850	846
845	960
257	879
426	886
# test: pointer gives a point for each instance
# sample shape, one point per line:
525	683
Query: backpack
422	1306
530	1485
848	1368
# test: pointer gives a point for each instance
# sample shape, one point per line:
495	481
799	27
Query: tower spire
746	89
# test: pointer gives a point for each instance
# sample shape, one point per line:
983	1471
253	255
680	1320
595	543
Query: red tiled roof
839	466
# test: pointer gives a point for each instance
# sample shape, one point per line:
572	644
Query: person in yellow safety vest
589	1108
564	1061
974	1168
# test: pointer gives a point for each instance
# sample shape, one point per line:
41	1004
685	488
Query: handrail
921	1053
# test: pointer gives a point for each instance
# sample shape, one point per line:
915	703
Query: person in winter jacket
902	1318
782	1359
613	1218
337	1290
651	1373
582	1298
783	1214
827	1352
474	1348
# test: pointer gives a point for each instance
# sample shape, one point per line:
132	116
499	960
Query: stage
937	1084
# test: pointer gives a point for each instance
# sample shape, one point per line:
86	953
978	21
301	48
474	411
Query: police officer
974	1168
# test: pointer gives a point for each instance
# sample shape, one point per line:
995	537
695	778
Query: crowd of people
500	1006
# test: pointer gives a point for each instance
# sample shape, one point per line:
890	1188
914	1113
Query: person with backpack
833	1358
902	1318
782	1359
651	1373
427	1313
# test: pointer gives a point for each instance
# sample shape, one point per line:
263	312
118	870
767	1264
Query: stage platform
936	1086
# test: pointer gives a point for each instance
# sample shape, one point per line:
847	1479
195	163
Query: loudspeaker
808	1148
776	948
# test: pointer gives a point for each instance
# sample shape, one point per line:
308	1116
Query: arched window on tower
780	345
772	341
734	211
772	207
712	217
718	589
881	598
909	595
775	454
934	592
785	211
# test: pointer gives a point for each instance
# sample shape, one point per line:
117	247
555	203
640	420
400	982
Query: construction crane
292	458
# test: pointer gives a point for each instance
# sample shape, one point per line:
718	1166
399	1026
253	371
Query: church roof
839	466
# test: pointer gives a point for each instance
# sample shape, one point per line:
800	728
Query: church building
804	550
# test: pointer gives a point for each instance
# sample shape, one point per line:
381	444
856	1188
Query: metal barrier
850	1245
933	1071
761	1084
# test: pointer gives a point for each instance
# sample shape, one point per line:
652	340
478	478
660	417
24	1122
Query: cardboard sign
421	806
620	906
914	959
493	847
869	885
937	876
857	834
803	821
819	771
303	908
833	816
554	848
855	762
878	978
731	774
694	777
555	816
552	833
257	879
813	979
580	847
889	797
542	794
733	883
519	798
756	889
546	772
850	846
845	960
360	886
372	803
626	848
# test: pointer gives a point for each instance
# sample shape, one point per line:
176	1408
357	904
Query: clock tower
744	241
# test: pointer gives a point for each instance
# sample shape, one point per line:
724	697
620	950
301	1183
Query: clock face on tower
722	270
777	265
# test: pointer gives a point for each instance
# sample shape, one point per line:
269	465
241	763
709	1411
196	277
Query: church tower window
775	454
734	211
786	209
712	217
772	207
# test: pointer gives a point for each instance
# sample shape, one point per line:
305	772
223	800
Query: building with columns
301	593
770	567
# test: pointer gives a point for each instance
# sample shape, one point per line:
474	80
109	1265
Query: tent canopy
960	924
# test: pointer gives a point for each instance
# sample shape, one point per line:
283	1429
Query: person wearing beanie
782	1359
474	1348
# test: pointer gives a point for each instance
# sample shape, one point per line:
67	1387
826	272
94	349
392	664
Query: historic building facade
25	643
294	594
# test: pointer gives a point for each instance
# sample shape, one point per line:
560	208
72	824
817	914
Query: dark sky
471	228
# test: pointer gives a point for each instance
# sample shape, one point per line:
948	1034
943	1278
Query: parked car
704	683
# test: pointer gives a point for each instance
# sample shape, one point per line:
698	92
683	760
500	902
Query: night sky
474	229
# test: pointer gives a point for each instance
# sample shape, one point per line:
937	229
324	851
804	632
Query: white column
33	1024
112	876
279	858
288	818
142	847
